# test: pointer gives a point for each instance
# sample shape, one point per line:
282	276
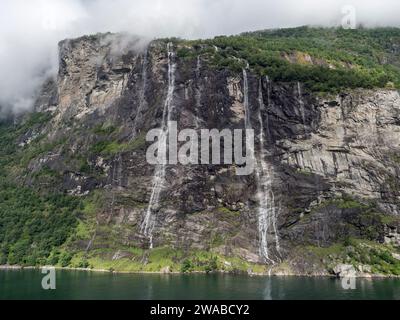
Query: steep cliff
325	190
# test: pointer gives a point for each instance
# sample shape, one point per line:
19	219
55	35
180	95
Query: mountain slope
326	187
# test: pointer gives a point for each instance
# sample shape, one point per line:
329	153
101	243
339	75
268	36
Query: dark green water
79	285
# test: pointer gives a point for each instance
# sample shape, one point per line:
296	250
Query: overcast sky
30	29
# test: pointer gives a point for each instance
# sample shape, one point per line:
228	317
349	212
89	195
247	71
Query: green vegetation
323	59
31	226
9	133
165	258
110	148
15	154
38	227
210	264
104	129
378	258
224	211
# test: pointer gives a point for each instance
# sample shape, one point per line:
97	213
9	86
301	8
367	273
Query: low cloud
30	30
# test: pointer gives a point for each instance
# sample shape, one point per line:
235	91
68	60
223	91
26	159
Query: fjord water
81	285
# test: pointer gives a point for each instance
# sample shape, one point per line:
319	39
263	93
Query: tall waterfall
267	211
116	180
301	104
198	93
142	98
149	221
247	121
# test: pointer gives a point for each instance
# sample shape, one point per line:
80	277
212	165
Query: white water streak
142	98
301	104
148	224
269	207
198	93
267	212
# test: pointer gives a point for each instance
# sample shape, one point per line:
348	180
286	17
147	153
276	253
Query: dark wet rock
319	150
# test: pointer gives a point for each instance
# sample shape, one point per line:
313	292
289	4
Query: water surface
81	285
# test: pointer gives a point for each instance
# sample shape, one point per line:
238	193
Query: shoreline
279	275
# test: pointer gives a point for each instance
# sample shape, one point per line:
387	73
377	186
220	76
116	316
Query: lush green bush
65	259
34	224
31	226
212	266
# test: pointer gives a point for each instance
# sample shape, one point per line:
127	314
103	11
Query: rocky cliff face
327	167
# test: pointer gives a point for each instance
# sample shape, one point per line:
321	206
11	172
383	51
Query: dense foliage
327	60
31	224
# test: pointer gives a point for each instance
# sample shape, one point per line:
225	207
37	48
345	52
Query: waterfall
117	172
142	98
262	106
247	119
148	223
267	208
198	93
301	104
267	213
116	179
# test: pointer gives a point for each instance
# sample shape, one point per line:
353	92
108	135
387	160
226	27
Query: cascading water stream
267	209
262	106
198	93
301	104
148	223
142	98
267	216
116	180
247	120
